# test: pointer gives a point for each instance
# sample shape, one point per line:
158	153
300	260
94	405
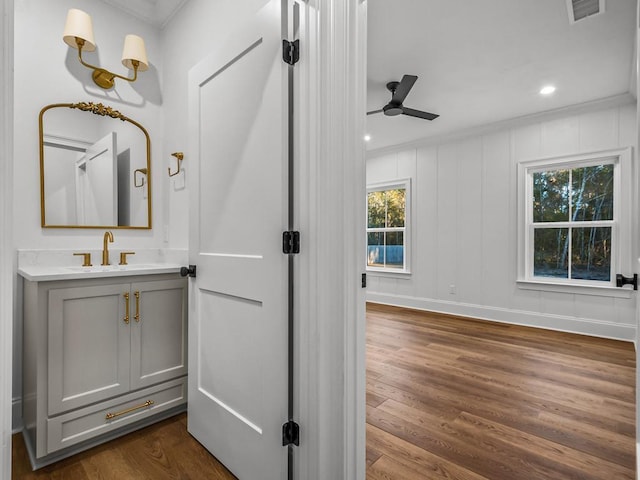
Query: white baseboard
16	415
583	326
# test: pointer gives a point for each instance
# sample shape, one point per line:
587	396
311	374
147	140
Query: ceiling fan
399	91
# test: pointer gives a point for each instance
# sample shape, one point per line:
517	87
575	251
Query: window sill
603	291
374	272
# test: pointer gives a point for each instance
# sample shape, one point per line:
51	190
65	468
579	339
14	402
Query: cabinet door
89	344
158	331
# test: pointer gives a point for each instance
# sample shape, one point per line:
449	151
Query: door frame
329	302
6	235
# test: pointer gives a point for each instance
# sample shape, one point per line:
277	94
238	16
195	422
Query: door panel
88	346
238	317
158	340
229	336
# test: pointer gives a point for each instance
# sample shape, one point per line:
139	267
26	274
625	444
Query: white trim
602	291
65	142
560	323
330	304
6	236
622	225
16	414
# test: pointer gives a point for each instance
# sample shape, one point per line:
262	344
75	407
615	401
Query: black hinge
290	242
364	280
290	434
291	51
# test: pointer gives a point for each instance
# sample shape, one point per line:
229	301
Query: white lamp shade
79	25
134	50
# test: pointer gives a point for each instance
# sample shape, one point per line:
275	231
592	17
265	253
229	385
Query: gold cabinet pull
109	416
137	315
126	308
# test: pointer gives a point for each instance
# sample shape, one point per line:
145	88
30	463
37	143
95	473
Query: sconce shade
79	25
134	50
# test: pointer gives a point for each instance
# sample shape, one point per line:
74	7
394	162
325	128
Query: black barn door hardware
622	280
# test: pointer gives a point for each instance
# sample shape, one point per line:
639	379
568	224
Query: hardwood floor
455	398
162	451
447	398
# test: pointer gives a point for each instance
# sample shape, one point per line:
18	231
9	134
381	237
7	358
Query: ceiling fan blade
403	88
418	113
374	111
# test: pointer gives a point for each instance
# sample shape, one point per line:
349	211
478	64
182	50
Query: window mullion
570	253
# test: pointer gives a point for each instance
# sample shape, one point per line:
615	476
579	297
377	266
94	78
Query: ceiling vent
581	9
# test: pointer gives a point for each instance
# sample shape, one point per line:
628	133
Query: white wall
47	71
464	224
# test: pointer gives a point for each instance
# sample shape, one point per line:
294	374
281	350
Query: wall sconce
143	172
78	33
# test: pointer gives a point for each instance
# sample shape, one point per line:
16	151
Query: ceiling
154	12
483	62
477	62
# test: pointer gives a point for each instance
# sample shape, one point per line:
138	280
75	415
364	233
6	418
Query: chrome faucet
108	237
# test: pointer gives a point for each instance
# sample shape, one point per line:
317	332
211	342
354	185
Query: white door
238	201
97	183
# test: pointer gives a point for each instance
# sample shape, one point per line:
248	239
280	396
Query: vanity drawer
83	424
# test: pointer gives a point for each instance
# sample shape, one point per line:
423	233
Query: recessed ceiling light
367	138
548	90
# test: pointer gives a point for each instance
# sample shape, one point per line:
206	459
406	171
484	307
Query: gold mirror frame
104	111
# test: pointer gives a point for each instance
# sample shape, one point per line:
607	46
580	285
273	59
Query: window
572	209
387	220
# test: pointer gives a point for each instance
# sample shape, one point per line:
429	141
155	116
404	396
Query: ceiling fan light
547	90
392	110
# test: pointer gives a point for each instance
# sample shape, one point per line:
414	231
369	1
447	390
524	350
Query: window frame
621	225
392	185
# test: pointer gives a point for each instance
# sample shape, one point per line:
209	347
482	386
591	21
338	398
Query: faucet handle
86	259
123	257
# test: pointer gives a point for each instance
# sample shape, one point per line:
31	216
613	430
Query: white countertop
40	273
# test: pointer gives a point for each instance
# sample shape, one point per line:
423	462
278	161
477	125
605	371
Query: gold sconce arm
102	77
144	172
179	156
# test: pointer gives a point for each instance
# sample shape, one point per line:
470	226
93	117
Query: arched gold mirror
95	168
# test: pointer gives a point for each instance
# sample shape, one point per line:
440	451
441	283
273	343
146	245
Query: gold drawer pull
109	416
126	307
137	315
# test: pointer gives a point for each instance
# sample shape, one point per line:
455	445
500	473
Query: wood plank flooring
453	398
162	451
447	398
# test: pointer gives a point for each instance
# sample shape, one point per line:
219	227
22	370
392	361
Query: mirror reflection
95	166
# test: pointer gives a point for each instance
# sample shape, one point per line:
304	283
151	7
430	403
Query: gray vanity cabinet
100	355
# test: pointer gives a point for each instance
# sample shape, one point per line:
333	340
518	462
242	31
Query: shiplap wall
464	231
